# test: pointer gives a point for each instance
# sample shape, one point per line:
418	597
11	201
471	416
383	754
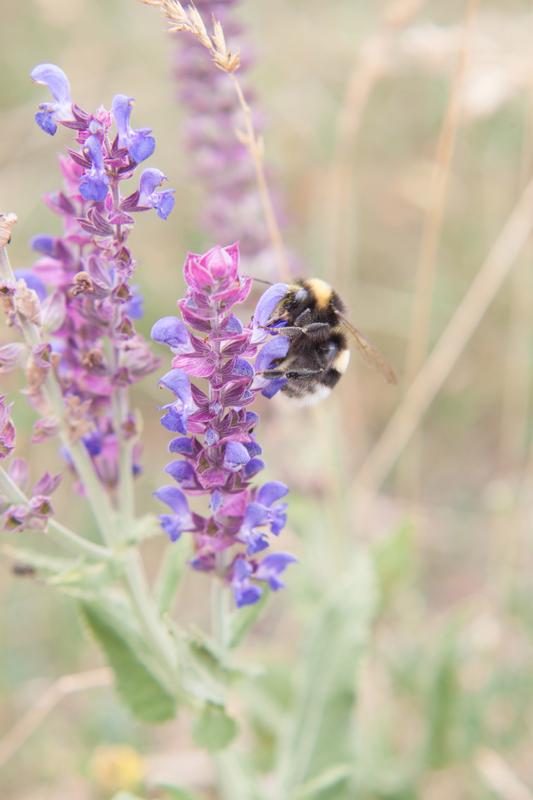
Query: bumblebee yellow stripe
320	290
341	361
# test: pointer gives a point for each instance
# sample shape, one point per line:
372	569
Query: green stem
59	533
170	574
148	615
220	607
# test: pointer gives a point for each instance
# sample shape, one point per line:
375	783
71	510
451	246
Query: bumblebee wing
371	354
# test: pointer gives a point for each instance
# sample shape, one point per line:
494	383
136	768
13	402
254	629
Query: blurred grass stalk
516	386
419	336
370	67
26	724
437	367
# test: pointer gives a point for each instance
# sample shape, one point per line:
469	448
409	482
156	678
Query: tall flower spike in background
221	132
232	208
85	274
218	453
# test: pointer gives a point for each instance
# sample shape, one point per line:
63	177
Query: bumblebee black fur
318	354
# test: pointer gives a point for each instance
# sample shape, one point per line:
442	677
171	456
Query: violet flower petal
179	384
270	492
150	180
174	498
235	456
263	310
57	82
271	567
121	106
276	348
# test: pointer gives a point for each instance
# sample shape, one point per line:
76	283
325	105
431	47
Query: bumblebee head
314	294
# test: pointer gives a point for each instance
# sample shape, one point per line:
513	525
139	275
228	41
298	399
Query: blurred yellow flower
115	767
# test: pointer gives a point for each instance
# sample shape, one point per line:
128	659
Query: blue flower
32	281
181	519
163	202
94	443
261	513
95	184
244	591
236	456
50	114
139	143
263	311
275	349
42	243
176	414
170	331
271	567
135	306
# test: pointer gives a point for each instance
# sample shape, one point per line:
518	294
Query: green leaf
328	779
442	702
242	620
213	729
395	561
145	528
175	558
140	690
319	734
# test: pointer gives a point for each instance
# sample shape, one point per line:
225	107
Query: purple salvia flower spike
218	452
90	302
232	208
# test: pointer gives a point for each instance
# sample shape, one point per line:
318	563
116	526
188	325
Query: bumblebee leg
291	374
304	318
306	330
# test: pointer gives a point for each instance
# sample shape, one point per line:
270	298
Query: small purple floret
95	184
162	202
139	143
50	114
170	331
7	429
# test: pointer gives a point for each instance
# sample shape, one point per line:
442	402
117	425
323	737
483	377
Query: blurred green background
445	690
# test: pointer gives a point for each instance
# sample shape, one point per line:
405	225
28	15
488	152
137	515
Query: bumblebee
312	316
